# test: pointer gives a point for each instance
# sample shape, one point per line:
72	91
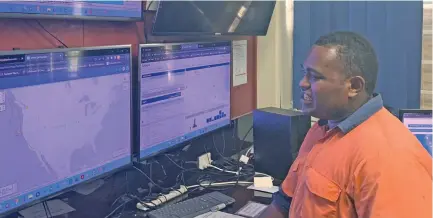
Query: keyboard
193	207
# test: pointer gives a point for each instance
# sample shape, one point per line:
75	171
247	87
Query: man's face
325	91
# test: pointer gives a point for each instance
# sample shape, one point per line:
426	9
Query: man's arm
280	206
387	187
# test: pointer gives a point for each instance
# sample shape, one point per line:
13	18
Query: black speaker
278	135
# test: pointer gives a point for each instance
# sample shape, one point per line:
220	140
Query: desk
98	204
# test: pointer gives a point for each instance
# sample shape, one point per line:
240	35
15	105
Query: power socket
162	199
204	160
244	159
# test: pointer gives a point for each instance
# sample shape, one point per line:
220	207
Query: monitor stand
89	188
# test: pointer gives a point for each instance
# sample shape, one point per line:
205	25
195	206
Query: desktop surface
162	170
185	93
65	119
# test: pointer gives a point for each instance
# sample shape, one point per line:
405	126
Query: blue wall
394	28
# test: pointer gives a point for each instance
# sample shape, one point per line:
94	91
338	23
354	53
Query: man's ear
356	85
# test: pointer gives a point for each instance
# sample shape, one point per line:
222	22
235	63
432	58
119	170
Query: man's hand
280	206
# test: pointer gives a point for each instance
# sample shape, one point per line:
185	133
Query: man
358	160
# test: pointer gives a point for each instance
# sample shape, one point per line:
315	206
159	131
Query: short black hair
357	54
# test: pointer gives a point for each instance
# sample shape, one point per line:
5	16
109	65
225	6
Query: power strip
162	199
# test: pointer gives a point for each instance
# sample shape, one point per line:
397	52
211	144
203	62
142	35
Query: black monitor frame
136	155
155	33
105	174
401	112
71	17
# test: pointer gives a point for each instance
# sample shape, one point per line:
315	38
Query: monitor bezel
137	156
402	112
72	17
211	33
132	125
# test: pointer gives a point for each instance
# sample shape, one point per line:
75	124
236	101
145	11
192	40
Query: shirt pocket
323	195
290	182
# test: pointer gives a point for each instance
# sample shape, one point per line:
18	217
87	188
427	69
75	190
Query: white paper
239	50
267	190
56	206
263	182
217	214
252	209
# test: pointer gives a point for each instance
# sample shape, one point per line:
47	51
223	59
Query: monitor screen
420	124
108	10
185	92
64	120
213	17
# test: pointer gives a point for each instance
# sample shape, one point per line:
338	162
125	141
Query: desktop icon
194	125
2	97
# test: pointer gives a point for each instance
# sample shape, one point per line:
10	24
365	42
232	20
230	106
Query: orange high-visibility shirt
374	167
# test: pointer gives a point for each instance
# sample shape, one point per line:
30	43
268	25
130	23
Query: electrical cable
226	159
148	7
205	179
150	179
117	208
167	156
223	170
243	139
47	213
162	167
248	151
240	148
43	28
125	194
227	162
208	179
221	184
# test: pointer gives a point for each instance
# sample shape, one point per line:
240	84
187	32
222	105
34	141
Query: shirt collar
360	115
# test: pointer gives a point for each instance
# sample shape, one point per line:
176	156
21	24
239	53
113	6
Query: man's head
339	75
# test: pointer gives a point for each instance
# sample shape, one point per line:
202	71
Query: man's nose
304	84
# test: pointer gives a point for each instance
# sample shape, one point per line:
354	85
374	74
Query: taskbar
149	151
57	187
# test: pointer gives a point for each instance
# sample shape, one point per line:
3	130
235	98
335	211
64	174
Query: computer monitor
213	17
64	120
419	123
184	93
100	10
